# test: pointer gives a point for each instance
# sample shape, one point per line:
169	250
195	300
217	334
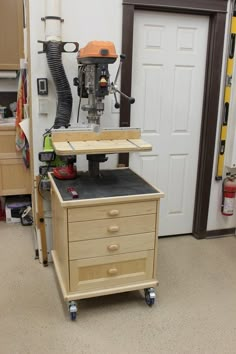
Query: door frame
216	10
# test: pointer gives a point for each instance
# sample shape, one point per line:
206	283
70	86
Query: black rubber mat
111	183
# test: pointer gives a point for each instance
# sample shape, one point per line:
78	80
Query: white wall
85	21
216	220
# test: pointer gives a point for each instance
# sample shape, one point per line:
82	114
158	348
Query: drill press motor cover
96	52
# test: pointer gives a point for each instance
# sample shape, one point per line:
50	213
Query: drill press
93	83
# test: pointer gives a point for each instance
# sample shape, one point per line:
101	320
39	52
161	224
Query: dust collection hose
64	96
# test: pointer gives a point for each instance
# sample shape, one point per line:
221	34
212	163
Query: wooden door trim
199	6
216	10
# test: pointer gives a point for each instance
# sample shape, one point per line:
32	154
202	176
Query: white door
169	59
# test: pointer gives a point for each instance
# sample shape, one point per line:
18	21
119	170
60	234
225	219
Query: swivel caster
150	296
73	310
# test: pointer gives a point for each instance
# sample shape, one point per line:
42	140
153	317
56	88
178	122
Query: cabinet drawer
8	145
111	246
14	177
111	271
111	211
11	44
85	230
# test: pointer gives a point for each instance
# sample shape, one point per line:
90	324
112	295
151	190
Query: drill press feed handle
114	88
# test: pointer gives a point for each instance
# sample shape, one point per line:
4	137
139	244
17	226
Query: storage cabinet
11	34
14	177
104	245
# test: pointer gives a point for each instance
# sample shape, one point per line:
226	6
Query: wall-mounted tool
227	99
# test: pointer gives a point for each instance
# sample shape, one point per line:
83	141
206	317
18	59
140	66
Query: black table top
111	183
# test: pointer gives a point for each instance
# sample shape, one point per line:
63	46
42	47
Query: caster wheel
150	296
73	310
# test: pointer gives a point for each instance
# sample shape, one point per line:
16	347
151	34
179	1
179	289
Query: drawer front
111	246
8	145
111	211
14	177
85	230
111	271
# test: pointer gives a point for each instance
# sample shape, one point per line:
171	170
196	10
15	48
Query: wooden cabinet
104	245
11	34
14	176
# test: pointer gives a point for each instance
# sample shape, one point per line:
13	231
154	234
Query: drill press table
104	142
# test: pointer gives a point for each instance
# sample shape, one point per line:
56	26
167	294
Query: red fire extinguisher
228	195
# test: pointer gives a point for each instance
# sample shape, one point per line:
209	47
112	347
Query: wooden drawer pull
113	212
112	271
113	228
113	248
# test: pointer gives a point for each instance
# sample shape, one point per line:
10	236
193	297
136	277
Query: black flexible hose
64	96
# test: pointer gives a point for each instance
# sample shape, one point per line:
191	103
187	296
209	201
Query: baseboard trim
220	233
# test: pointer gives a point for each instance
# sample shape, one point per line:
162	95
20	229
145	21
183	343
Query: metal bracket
228	81
62	46
52	18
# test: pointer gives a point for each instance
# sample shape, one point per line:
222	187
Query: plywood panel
60	239
11	34
8	144
111	246
104	272
111	211
85	230
100	146
14	177
77	135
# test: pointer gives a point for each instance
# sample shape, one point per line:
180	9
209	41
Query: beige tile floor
196	310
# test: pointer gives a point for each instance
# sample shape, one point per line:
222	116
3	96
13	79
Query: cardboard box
14	206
